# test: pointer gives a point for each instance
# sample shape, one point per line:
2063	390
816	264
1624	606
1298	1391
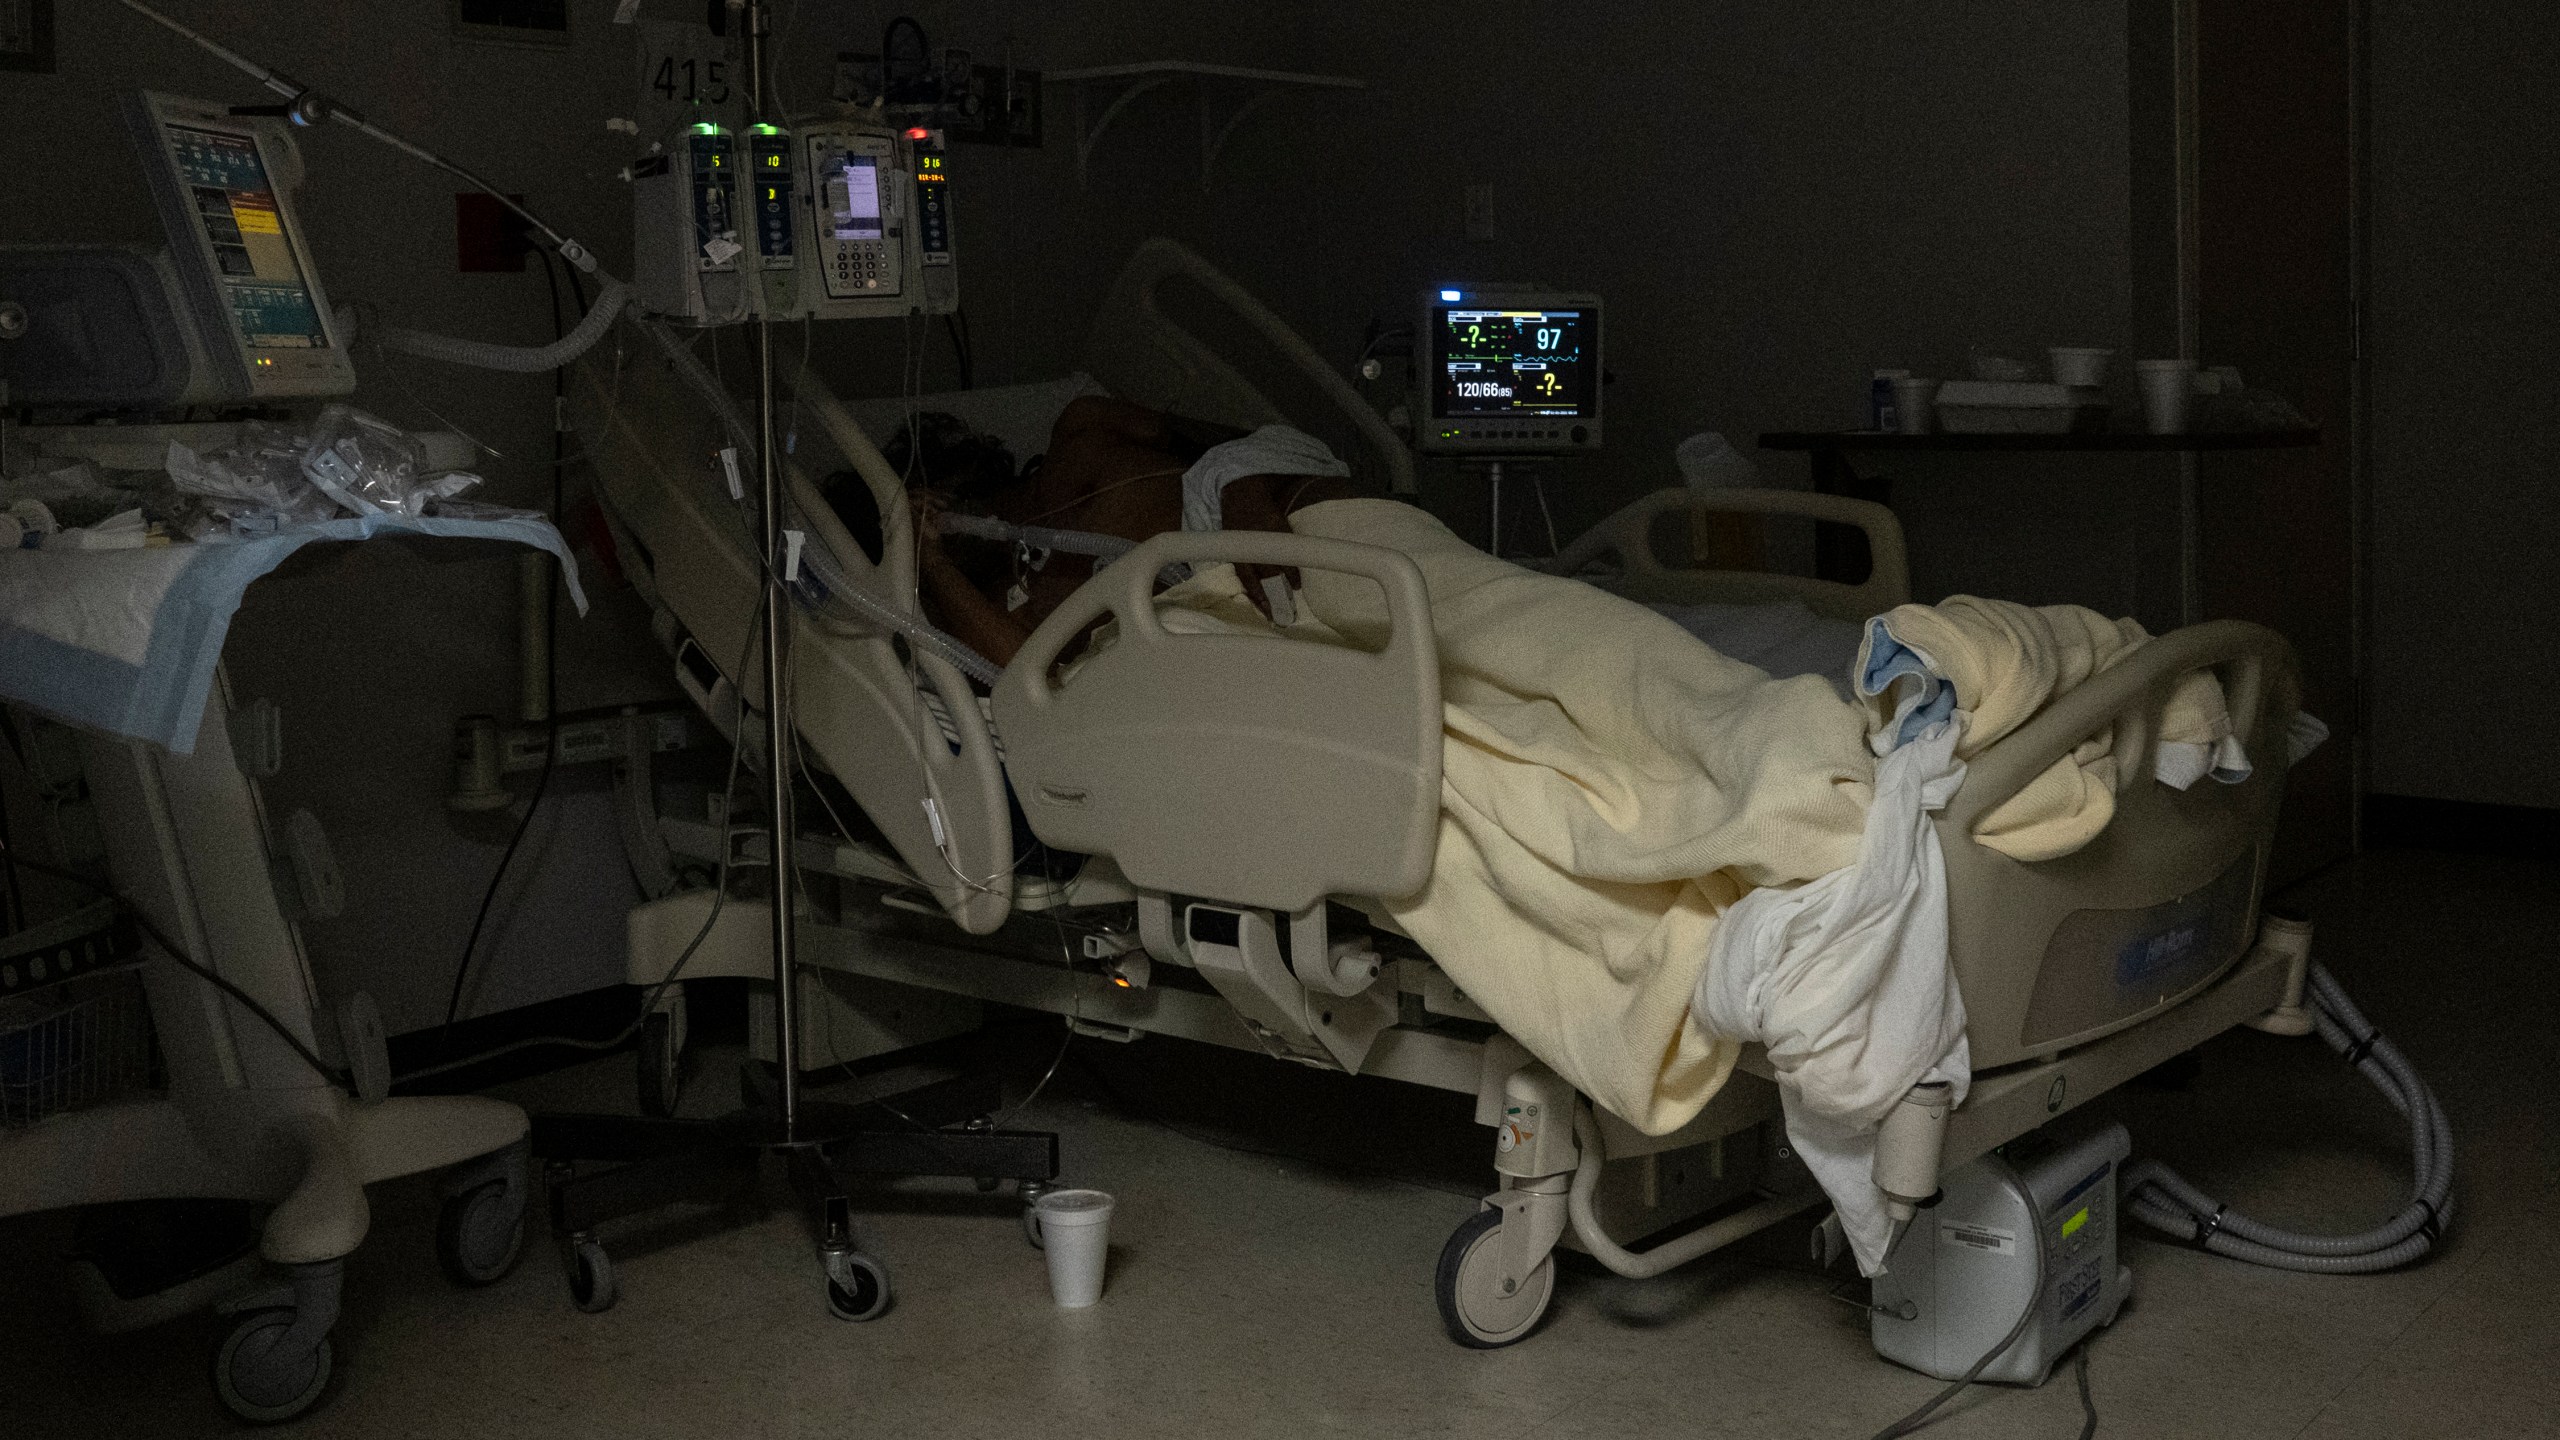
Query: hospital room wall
1774	199
2465	444
373	650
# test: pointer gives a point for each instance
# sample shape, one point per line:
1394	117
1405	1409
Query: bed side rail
856	704
1143	351
2159	905
1253	769
2254	664
1629	534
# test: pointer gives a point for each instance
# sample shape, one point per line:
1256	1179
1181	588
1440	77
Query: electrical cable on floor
2026	1313
2088	1405
179	957
550	680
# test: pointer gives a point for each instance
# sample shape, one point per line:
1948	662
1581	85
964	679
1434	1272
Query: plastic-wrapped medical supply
373	467
273	477
254	487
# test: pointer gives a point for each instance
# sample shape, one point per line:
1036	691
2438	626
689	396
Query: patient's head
941	452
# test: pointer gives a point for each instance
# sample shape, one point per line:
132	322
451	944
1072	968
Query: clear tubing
918	632
1038	537
2160	1198
519	359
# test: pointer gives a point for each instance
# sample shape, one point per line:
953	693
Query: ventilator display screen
235	203
1490	361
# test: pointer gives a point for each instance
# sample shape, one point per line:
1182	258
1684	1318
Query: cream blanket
1611	787
2003	662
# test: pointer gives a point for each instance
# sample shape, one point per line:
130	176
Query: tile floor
1287	1293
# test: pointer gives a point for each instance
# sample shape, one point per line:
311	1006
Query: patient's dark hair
941	451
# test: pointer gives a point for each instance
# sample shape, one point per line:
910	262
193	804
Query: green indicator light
2072	1225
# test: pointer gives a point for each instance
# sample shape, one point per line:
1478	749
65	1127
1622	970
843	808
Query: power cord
649	1002
550	672
2026	1313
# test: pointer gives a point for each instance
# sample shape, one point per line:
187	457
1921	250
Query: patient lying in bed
1112	468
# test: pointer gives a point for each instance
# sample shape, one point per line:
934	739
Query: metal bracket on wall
1253	88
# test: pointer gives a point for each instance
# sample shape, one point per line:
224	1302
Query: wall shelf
1243	91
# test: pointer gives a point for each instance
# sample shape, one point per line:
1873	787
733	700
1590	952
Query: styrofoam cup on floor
2079	364
2168	387
1075	1232
1915	404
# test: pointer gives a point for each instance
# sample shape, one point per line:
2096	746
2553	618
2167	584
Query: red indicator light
918	132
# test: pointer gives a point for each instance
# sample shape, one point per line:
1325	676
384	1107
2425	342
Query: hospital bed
1238	797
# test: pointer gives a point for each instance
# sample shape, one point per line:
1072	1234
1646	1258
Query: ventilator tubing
520	359
2159	1198
1038	537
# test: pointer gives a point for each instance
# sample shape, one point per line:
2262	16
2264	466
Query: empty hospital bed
1226	795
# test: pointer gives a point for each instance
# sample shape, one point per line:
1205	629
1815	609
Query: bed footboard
2056	953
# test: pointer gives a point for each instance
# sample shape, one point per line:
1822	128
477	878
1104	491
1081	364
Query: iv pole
598	1168
777	692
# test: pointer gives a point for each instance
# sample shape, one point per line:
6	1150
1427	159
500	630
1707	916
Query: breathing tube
816	559
1038	537
2163	1200
520	359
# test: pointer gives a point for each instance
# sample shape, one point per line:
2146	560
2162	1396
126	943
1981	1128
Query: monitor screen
1492	361
262	279
853	198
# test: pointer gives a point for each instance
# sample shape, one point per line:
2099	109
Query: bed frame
1229	787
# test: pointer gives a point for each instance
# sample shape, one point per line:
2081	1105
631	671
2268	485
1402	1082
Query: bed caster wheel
857	1286
1475	1307
592	1285
480	1234
262	1381
660	1065
1031	1191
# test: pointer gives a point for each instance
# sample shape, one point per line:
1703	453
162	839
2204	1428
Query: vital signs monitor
1509	370
223	184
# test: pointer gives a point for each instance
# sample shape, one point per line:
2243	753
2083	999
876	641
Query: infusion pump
839	221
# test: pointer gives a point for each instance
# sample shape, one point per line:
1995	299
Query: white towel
1271	450
1847	981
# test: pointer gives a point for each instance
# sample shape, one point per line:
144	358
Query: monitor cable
550	678
177	955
